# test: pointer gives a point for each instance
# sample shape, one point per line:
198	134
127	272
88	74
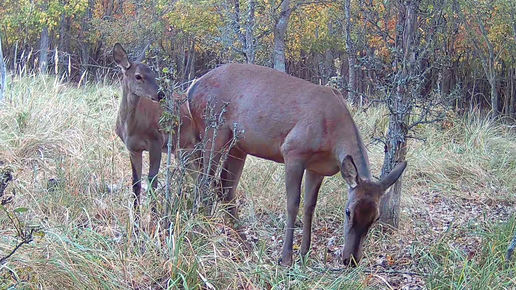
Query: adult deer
138	118
305	126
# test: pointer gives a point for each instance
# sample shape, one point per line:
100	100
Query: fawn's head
138	77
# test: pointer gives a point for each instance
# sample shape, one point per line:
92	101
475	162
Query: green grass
457	216
450	267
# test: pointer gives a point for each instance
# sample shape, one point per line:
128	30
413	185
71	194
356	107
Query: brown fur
138	118
288	120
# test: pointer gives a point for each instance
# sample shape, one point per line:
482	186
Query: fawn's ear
393	176
120	57
349	172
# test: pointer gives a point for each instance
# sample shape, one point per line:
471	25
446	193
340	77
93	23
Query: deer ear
393	176
141	57
349	172
120	57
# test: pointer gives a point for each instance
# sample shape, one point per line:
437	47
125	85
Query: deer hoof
285	262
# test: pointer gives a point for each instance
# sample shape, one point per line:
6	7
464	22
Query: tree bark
190	62
512	97
513	20
245	38
489	64
43	42
399	107
250	50
43	50
85	46
3	73
110	6
64	28
495	103
280	30
512	71
120	7
350	49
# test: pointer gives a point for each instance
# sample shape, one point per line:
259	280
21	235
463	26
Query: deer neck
128	107
354	146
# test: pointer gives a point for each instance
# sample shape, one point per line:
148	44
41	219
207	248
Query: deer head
362	209
138	79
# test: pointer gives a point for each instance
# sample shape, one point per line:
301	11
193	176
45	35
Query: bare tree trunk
190	62
492	77
110	8
399	106
506	100
3	73
511	92
350	49
64	28
15	58
43	50
513	20
64	42
512	71
328	70
495	102
280	30
43	42
489	64
447	81
396	152
85	46
120	7
246	37
250	50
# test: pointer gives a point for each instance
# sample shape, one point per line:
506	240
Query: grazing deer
138	118
305	126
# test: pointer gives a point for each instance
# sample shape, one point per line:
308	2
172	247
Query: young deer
138	118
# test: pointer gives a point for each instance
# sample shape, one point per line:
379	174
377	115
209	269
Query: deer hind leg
313	183
293	177
230	177
136	165
155	160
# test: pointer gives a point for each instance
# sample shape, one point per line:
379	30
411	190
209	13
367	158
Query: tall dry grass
52	130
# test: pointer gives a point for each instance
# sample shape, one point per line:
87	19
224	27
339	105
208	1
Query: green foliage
30	16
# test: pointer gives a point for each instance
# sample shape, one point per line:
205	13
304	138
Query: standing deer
305	126
138	118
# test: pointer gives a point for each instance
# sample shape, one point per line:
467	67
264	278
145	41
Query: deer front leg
510	249
210	160
206	180
230	177
136	165
155	160
313	183
293	177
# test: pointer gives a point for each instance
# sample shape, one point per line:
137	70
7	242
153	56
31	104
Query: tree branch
23	242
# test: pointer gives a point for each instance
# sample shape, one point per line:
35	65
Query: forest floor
71	182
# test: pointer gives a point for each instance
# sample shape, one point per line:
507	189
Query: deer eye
138	77
347	212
